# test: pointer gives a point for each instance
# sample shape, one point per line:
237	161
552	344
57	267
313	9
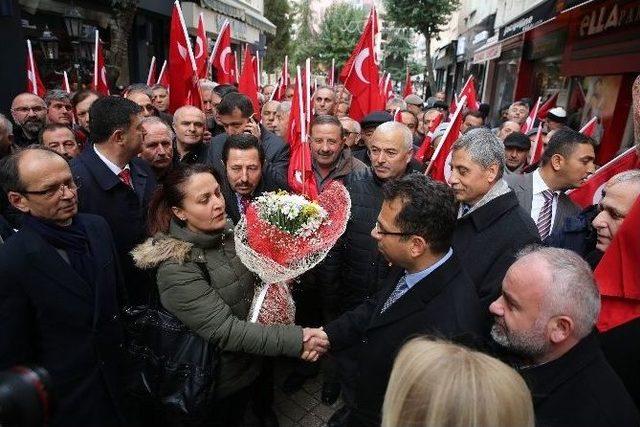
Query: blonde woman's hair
439	384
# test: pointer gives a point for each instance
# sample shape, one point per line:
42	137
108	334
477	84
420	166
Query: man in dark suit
59	291
429	294
491	226
566	163
243	158
235	113
546	317
116	184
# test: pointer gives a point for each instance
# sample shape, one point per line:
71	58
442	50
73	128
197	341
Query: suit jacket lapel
139	179
415	298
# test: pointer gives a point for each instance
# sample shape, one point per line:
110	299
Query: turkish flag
469	90
201	49
618	274
578	99
535	153
454	104
547	106
222	59
425	152
408	85
99	83
590	192
300	175
590	128
163	78
361	74
283	82
151	75
387	88
439	168
248	84
182	67
531	120
34	84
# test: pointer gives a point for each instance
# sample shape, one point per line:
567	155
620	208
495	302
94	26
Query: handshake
315	343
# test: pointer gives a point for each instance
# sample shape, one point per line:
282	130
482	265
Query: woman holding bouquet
187	219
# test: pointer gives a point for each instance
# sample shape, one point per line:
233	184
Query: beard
33	126
530	344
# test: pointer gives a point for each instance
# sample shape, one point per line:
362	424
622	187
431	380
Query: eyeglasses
23	110
383	232
50	193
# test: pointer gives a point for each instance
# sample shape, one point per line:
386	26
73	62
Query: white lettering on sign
607	17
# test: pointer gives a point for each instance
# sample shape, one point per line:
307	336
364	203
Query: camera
25	397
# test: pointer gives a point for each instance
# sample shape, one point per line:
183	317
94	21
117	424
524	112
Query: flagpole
66	82
34	82
458	111
217	43
162	70
152	67
95	63
307	83
303	124
333	72
235	65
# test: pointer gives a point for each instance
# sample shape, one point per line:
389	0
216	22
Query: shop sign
533	18
608	17
487	53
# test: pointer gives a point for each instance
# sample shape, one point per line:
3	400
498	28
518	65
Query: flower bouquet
283	235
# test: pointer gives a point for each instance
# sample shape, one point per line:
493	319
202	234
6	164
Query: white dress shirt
537	202
112	166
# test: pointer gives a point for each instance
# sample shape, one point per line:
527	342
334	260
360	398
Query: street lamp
49	44
73	20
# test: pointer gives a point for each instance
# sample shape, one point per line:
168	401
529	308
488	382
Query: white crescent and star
182	51
597	195
223	58
199	47
362	56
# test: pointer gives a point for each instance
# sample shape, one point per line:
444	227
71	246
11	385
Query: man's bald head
27	97
188	123
187	109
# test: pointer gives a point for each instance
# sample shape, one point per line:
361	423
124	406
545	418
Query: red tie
125	177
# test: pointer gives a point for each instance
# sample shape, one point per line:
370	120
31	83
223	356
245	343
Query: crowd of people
471	302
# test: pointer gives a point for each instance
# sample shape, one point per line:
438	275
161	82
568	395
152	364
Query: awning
543	12
224	8
260	22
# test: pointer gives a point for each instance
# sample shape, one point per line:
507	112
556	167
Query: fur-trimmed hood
160	248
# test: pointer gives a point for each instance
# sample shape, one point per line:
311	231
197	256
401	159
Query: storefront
587	53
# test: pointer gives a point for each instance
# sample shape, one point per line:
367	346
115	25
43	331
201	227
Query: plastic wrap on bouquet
278	253
279	307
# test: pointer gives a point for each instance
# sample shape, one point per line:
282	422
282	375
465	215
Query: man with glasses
427	291
29	113
59	291
117	184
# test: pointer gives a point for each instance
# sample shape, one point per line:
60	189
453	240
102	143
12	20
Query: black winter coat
443	304
51	317
580	390
125	209
487	240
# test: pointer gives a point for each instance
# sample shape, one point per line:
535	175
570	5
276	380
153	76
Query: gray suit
522	185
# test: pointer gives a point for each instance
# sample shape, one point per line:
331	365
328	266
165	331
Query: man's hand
252	127
206	137
315	344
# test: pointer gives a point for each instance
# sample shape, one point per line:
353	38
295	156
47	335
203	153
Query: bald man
268	117
189	126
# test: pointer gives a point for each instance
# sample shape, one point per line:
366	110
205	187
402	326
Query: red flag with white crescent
547	106
408	85
163	78
182	66
34	84
248	84
300	174
201	49
222	58
590	192
618	274
439	168
99	83
589	129
425	152
361	75
531	120
469	90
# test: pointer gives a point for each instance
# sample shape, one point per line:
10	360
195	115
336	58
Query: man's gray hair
6	124
56	95
407	136
397	104
572	292
327	87
267	103
138	88
631	176
483	147
354	123
207	85
284	107
153	120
